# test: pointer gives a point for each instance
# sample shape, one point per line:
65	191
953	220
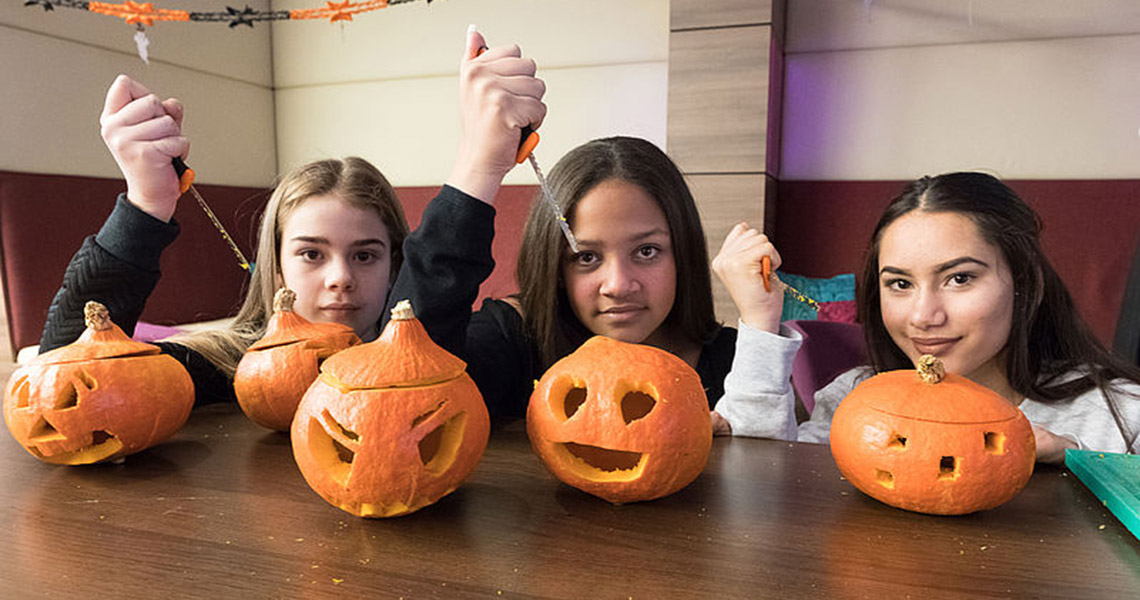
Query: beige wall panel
686	14
240	53
427	40
828	25
53	92
718	99
1062	108
410	127
724	201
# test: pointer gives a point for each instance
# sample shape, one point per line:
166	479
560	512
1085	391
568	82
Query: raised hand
144	133
739	266
498	96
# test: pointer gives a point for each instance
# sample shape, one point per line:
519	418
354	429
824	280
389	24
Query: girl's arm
119	266
449	255
758	397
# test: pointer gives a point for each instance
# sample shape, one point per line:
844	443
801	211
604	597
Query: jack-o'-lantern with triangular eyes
932	442
390	426
99	398
624	422
277	369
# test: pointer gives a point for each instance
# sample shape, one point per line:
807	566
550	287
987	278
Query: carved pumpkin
99	398
277	369
390	426
624	422
932	442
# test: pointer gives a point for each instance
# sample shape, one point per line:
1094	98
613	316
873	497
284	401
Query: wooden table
221	511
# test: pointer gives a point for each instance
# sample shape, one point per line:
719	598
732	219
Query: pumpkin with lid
624	422
100	398
932	442
390	426
277	369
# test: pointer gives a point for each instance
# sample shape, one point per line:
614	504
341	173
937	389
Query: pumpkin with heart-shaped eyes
624	422
390	426
277	369
100	398
933	442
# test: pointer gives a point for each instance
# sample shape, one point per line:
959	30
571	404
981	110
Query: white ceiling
827	25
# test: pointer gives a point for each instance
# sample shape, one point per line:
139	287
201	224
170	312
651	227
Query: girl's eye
366	257
897	285
960	279
310	254
648	252
584	258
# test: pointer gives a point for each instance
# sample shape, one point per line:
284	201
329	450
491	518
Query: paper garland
142	14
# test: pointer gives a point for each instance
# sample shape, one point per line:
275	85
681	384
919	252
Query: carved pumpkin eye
635	405
333	445
574	399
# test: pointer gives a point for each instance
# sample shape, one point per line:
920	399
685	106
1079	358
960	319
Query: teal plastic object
1114	478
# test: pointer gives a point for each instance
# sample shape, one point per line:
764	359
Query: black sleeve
501	360
211	385
446	259
715	363
118	267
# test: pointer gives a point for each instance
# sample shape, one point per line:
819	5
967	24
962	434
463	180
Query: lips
620	313
935	346
340	307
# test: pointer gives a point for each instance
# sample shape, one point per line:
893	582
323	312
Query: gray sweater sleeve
758	398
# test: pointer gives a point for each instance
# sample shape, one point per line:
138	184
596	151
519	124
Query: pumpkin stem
403	311
930	369
283	300
96	316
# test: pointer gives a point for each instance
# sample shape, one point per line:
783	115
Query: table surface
221	511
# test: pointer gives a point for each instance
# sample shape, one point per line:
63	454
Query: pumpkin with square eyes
932	442
390	426
624	422
277	369
100	398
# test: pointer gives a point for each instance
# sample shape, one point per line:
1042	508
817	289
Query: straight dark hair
546	309
1047	338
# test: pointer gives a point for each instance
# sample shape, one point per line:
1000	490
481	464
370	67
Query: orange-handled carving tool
527	143
766	274
186	182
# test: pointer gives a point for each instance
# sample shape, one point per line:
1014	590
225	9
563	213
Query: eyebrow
634	238
940	268
311	239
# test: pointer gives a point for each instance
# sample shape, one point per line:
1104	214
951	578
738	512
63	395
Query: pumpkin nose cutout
635	405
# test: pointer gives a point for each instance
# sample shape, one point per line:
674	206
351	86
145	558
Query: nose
339	276
928	309
618	279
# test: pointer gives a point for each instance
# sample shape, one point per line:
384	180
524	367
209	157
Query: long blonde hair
355	181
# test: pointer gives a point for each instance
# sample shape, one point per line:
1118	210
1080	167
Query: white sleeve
758	398
818	428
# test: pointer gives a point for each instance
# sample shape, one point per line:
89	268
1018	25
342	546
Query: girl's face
337	258
948	292
623	281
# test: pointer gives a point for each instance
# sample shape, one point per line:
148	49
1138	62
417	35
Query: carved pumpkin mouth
103	446
601	464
